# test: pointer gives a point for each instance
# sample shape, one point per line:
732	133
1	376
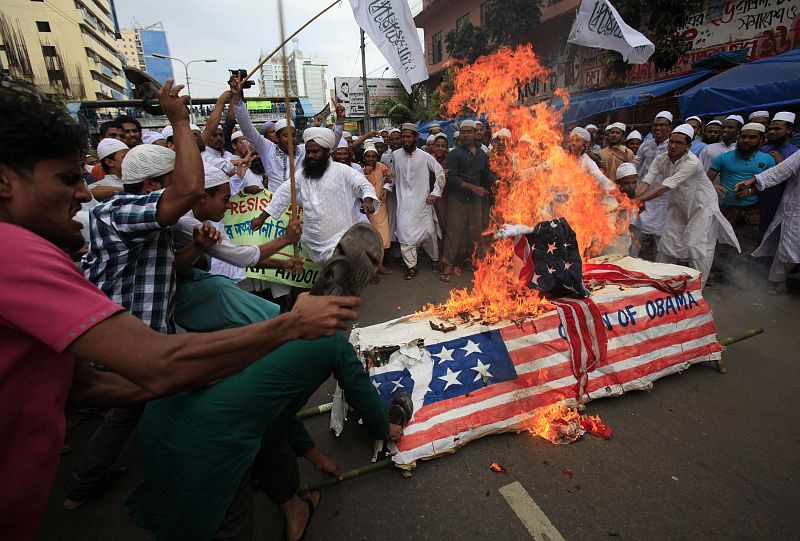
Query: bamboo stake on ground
732	340
350	474
314	410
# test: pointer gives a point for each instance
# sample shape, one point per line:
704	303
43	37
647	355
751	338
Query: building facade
762	27
307	78
65	47
139	44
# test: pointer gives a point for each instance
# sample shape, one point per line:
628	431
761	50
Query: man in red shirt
53	322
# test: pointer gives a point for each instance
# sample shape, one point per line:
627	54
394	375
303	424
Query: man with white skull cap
616	152
779	147
730	132
579	140
110	153
132	260
274	156
649	224
326	191
694	222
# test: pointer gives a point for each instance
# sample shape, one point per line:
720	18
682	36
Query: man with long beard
326	191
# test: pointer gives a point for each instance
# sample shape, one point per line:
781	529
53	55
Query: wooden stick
284	41
732	340
350	474
292	132
314	410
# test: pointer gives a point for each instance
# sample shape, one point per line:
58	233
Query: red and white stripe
636	356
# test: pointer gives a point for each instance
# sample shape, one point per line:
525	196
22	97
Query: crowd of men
140	302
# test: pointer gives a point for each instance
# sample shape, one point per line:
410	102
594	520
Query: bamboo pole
292	132
286	40
350	474
314	410
743	336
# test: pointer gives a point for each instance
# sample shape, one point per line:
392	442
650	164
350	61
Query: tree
466	42
509	22
660	21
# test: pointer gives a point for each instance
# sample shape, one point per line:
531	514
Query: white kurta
588	166
327	206
416	220
276	162
694	222
710	153
782	238
651	221
220	160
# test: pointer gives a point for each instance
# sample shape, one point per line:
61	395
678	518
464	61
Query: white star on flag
553	224
566	245
535	278
551	270
377	385
397	384
451	378
444	355
567	265
482	370
471	347
551	248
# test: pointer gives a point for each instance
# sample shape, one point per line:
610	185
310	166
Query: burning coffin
482	379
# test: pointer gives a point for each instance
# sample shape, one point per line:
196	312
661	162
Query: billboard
350	92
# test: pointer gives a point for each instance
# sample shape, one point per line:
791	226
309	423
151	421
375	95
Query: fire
561	424
538	183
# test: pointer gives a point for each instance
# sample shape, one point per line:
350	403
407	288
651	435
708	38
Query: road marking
532	517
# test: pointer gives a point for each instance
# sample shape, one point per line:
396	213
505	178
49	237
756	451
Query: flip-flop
311	511
354	263
113	476
410	273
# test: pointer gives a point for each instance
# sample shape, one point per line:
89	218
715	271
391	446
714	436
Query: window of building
37	0
484	10
436	47
461	20
43	26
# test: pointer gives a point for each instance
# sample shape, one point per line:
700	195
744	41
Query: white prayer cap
214	176
686	129
634	135
583	133
478	122
737	118
526	139
626	169
377	139
146	161
108	146
665	114
785	116
757	126
194	127
619	126
322	136
697	118
346	134
409	126
370	148
714	122
343	143
167	131
430	139
267	125
466	124
150	137
440	136
503	132
608	127
758	114
279	125
590	127
394	130
435	125
235	135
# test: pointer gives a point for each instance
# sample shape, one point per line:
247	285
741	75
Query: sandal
311	509
410	273
385	271
112	477
445	277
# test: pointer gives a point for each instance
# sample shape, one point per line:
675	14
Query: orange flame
557	423
535	183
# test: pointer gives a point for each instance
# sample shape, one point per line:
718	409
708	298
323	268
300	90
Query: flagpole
270	55
364	82
287	106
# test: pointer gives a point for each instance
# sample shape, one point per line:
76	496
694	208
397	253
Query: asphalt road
701	456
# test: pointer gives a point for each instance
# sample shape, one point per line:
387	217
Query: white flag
599	25
390	26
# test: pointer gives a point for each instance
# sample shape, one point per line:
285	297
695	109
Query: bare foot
297	514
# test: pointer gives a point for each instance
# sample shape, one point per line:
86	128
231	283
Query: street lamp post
186	71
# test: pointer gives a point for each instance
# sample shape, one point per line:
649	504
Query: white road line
529	513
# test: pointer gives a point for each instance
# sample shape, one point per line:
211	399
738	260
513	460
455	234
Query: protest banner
243	208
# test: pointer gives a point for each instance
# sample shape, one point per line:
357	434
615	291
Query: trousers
463	219
409	251
702	265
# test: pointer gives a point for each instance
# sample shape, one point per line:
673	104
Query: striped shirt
131	258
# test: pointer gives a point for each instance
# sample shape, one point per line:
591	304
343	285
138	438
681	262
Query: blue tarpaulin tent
583	106
761	84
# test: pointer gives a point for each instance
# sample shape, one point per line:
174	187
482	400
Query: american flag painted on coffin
480	380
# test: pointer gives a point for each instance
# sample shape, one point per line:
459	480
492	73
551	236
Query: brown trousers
463	219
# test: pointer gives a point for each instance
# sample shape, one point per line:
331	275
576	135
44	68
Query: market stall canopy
586	105
761	84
